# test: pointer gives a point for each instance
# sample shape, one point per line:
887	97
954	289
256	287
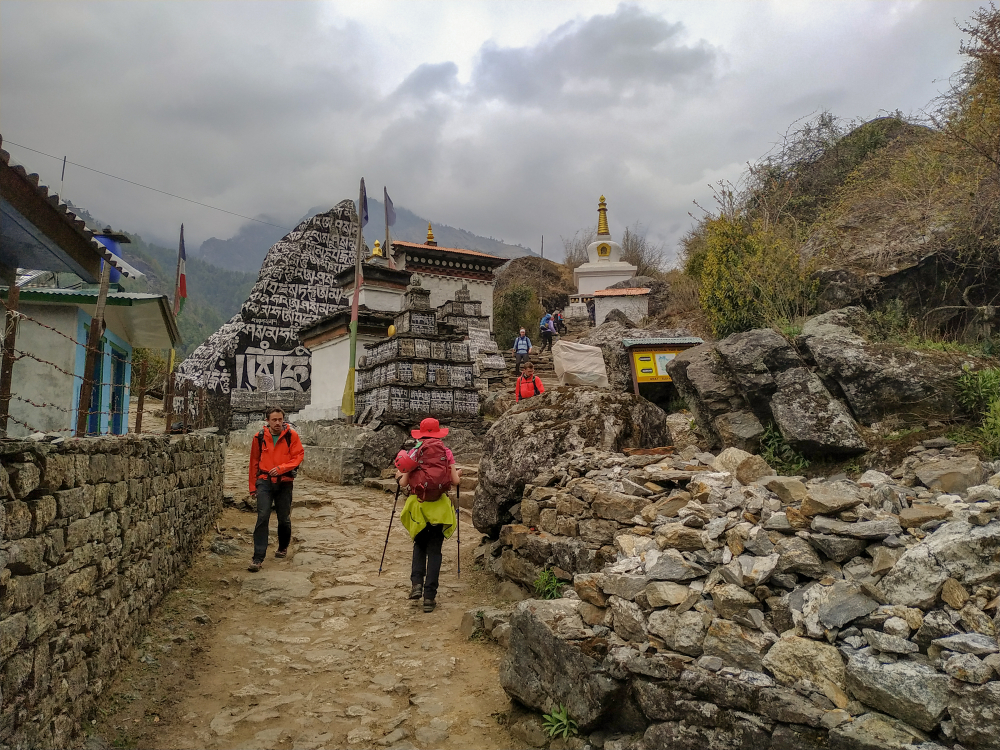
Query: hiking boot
255	566
429	605
281	553
416	591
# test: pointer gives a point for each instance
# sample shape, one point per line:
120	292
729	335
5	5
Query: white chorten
605	266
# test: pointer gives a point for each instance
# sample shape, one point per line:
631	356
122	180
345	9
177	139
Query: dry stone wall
95	531
716	605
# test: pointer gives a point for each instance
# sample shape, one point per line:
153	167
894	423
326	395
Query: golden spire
430	235
377	250
602	218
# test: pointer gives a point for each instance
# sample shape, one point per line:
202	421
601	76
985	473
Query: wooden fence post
7	365
168	401
142	396
93	345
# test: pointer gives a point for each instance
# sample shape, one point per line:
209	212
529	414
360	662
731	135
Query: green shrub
518	308
979	390
989	433
559	724
751	278
779	455
547	586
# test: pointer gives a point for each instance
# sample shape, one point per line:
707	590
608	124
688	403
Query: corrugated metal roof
630	292
154	329
114	298
77	224
681	340
427	248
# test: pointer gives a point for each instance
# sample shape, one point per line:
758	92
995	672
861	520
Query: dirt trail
315	650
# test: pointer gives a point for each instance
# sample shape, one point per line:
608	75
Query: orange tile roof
631	292
421	246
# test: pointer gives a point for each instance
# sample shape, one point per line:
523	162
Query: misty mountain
245	250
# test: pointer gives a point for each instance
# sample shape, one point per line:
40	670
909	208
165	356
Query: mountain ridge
245	250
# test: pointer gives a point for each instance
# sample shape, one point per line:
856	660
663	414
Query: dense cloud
507	120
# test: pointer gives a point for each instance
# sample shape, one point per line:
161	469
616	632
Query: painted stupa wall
256	359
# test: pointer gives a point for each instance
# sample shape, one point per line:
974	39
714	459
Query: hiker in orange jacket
275	455
527	384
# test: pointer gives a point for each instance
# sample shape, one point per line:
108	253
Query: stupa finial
602	218
377	250
430	233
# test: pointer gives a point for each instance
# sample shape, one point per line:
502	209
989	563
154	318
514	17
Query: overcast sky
507	119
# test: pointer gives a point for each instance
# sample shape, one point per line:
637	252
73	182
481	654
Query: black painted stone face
257	358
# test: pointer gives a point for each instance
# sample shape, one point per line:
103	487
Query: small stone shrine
465	315
425	368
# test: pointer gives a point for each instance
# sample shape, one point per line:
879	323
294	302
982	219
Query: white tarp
579	364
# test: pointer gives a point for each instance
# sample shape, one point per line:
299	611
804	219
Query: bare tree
641	252
575	247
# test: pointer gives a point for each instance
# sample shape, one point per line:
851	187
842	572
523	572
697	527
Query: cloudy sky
508	119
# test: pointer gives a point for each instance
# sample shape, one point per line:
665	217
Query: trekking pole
458	520
389	530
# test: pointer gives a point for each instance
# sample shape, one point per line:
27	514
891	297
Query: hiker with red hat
429	470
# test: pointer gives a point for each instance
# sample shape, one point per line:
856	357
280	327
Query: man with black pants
275	456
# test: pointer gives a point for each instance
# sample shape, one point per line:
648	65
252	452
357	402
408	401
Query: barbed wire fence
92	415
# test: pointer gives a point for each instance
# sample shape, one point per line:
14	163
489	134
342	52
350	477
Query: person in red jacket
275	456
528	384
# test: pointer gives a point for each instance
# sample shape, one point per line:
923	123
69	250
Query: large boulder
544	668
703	382
754	358
609	337
534	434
880	379
810	419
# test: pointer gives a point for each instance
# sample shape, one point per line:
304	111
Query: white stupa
605	266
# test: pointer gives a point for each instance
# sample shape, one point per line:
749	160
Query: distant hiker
275	456
429	470
528	384
560	323
521	350
547	326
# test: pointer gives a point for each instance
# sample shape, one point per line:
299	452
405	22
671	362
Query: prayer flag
347	402
390	212
363	204
180	290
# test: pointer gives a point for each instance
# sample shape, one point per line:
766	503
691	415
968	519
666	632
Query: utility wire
147	187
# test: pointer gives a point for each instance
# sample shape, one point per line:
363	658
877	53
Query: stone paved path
315	650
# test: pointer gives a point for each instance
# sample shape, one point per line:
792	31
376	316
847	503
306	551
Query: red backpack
432	477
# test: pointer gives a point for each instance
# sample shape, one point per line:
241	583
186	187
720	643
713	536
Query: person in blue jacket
521	350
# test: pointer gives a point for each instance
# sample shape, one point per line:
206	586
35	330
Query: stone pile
715	604
465	316
93	533
423	370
